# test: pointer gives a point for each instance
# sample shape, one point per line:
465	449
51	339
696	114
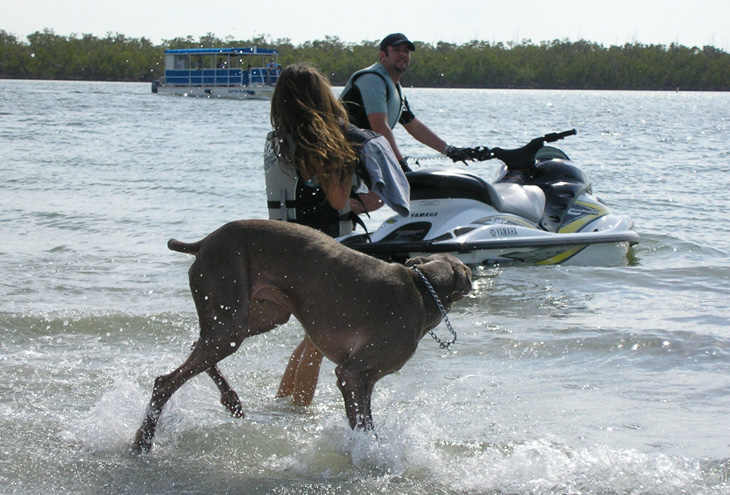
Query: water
564	380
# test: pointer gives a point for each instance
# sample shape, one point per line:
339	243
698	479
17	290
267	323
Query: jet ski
539	210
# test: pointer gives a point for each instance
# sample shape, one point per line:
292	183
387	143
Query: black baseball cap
396	39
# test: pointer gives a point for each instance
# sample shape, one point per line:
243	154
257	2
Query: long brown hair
305	111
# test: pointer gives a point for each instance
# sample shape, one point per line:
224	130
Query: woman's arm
338	196
369	201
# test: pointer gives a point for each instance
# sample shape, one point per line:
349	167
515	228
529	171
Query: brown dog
365	315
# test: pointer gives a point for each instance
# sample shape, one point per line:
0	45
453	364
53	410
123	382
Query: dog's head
446	273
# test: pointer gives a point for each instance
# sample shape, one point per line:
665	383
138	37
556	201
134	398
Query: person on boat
315	165
271	71
374	100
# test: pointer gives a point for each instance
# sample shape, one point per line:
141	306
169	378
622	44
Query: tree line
558	64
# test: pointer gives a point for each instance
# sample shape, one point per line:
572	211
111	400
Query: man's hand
479	153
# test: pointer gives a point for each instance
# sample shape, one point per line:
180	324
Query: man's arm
423	134
379	124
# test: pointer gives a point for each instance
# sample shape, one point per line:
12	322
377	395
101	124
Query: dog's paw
233	404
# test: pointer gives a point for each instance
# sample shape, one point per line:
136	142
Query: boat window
181	62
194	62
238	63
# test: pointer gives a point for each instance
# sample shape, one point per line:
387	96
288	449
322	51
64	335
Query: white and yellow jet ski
540	210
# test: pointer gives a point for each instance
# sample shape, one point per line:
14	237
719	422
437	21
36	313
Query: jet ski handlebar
518	158
524	157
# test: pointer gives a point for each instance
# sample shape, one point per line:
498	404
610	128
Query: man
374	100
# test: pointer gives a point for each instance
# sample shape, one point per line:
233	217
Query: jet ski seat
525	201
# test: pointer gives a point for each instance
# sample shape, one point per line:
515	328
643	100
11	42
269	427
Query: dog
365	315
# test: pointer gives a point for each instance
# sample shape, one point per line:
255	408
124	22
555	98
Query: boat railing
256	76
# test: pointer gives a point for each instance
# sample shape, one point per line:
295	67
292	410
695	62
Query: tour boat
236	73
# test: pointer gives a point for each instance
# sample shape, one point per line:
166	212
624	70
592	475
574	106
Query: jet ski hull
513	244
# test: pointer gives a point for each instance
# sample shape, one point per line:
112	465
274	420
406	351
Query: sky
607	22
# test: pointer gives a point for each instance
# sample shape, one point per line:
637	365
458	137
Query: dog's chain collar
441	343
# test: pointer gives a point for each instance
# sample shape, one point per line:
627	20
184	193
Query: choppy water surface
564	379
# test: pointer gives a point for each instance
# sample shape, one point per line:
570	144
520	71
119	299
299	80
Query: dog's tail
183	247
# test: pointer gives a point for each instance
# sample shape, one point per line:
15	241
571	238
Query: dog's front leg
357	388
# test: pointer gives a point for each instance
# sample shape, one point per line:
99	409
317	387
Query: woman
314	163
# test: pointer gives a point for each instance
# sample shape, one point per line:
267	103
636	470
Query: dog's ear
416	261
462	276
462	281
446	267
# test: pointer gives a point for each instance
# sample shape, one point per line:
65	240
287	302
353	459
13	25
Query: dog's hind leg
206	354
263	316
229	397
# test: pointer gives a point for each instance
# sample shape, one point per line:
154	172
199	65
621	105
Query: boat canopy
223	51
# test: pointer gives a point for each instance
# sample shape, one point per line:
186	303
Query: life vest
351	97
292	199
